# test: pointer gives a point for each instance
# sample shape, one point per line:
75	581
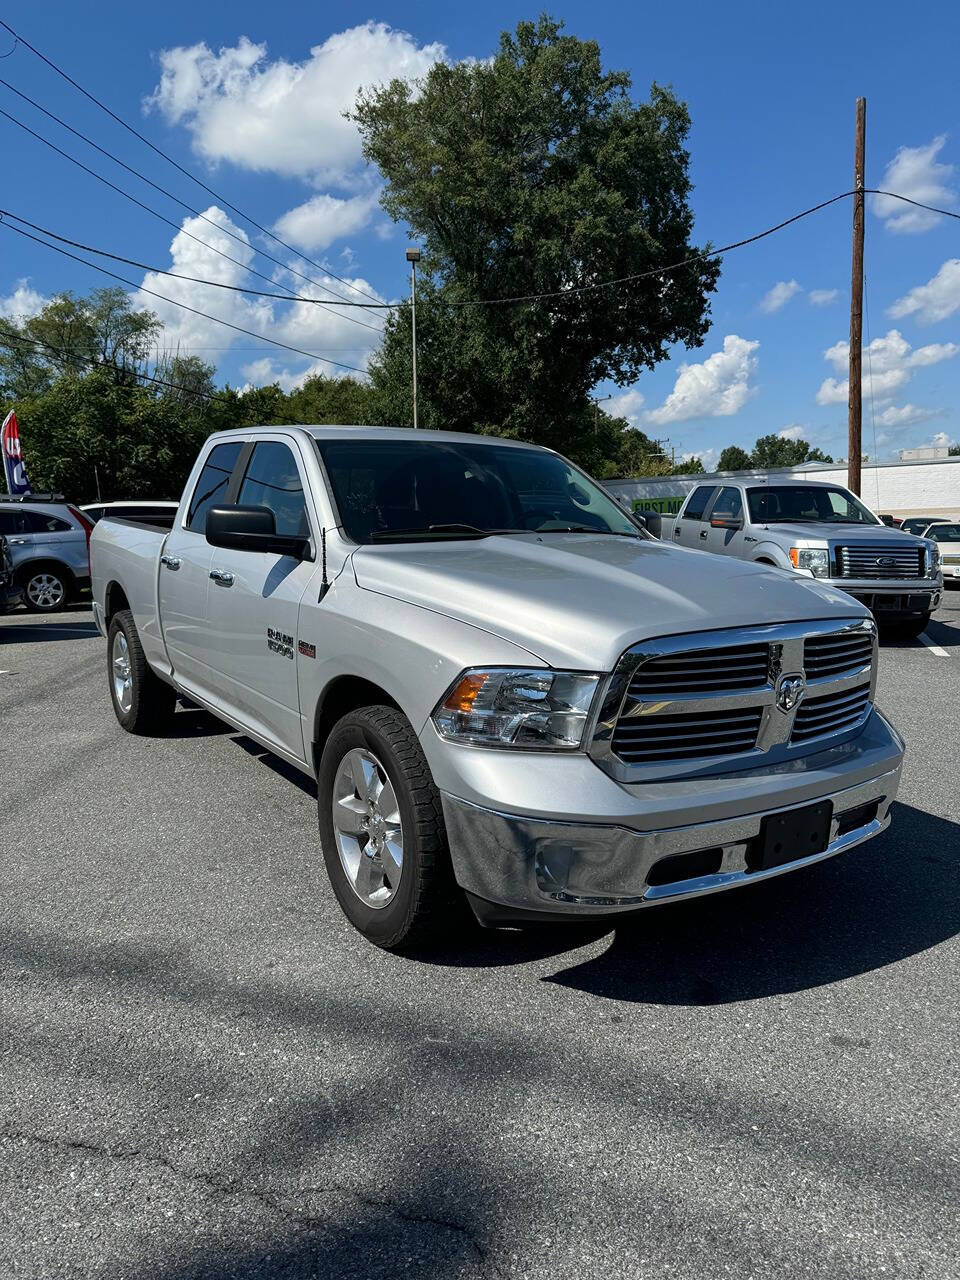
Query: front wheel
141	700
382	830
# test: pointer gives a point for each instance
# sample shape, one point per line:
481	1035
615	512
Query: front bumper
515	866
909	597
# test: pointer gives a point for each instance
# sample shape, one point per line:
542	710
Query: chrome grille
861	561
834	655
742	666
832	713
693	736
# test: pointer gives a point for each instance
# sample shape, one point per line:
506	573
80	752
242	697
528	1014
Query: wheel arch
114	599
343	694
24	572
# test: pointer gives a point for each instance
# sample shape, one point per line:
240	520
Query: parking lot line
935	648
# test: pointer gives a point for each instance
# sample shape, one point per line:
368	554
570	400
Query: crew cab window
729	504
213	483
273	480
39	522
698	503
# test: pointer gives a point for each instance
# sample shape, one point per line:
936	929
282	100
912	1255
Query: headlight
506	707
932	558
815	559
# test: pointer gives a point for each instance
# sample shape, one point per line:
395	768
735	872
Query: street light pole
413	257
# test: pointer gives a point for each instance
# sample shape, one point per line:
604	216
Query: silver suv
820	531
49	541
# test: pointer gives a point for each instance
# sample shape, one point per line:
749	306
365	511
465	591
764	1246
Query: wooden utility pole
855	395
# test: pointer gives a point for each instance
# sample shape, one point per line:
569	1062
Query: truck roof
348	432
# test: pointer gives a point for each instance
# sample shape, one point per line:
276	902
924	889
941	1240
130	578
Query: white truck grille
872	561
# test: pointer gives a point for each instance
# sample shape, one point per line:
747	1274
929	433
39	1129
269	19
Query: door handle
703	533
17	542
747	538
171	562
220	575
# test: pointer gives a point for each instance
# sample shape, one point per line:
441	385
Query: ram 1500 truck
821	531
503	687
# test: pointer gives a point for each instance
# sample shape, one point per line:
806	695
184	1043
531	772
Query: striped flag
14	470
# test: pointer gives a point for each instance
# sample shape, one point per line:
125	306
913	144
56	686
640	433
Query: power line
312	355
178	228
170	160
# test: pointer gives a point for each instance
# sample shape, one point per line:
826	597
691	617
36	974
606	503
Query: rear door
54	538
254	602
184	573
728	505
689	529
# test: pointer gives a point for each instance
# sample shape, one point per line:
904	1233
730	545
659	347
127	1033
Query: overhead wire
181	230
170	160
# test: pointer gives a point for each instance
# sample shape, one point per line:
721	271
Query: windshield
945	533
421	488
795	503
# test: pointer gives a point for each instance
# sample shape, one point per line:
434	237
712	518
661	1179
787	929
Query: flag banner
13	467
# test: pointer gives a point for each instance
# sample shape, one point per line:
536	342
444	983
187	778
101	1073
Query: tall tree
775	451
734	458
534	172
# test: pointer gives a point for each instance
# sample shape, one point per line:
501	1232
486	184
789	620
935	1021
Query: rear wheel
142	702
382	830
45	590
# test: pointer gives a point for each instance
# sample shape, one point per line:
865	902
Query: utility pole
596	410
413	257
855	394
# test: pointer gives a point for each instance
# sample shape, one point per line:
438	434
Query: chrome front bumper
515	867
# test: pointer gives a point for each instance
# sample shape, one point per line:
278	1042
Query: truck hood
579	600
847	534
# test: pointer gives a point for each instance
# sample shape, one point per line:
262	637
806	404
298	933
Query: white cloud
943	441
627	405
822	297
793	432
906	415
717	388
265	372
22	303
284	117
915	172
320	329
888	364
935	300
324	218
779	295
708	457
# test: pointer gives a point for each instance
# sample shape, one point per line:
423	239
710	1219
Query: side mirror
251	529
726	522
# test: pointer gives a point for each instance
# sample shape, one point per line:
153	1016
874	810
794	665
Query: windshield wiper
433	530
588	528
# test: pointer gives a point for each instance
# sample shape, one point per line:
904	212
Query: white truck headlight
932	558
507	707
815	560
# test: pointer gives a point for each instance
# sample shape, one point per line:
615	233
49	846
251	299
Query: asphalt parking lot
206	1072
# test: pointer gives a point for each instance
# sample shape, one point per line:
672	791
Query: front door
254	604
728	506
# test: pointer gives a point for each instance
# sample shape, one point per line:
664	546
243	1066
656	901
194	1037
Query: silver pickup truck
821	531
504	688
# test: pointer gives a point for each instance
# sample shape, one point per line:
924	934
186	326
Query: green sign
665	506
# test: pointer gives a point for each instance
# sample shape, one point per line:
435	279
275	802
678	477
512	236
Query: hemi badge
308	650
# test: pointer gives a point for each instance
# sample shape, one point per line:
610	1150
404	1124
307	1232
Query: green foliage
954	451
529	173
734	458
770	451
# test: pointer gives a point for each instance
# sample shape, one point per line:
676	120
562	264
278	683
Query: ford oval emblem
886	562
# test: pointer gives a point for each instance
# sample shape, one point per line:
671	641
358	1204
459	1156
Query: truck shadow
892	898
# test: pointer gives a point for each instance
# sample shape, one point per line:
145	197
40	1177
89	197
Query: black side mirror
252	529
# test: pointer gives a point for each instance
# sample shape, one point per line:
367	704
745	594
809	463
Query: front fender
770	551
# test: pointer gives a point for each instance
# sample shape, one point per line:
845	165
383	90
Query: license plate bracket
789	836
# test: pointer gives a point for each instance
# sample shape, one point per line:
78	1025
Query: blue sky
250	98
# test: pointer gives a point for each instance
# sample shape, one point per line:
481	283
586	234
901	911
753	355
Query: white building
904	488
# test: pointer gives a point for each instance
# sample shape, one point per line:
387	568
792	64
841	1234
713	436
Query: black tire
151	702
46	589
908	628
426	898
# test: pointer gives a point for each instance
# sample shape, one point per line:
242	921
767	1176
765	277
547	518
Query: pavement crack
278	1204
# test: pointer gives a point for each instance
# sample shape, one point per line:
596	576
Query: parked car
821	531
136	509
892	522
503	688
49	540
947	538
918	525
10	593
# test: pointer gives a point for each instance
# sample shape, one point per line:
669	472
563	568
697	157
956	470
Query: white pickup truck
504	688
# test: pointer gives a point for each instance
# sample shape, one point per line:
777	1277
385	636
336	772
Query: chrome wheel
46	591
122	674
367	826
